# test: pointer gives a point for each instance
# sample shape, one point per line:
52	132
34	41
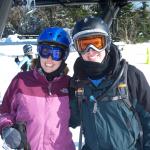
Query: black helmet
91	26
27	48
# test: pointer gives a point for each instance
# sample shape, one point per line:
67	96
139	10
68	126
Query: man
112	97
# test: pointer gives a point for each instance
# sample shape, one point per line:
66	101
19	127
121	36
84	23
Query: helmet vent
59	35
85	20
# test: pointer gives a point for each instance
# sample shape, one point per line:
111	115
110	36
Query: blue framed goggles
57	53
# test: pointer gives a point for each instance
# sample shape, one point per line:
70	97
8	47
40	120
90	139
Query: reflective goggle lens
57	53
98	41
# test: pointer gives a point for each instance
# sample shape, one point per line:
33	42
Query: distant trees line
131	25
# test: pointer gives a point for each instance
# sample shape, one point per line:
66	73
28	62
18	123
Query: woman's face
49	65
94	56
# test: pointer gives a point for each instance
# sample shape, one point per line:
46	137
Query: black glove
17	60
15	136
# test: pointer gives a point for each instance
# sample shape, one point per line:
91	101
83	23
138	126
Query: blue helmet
54	35
27	48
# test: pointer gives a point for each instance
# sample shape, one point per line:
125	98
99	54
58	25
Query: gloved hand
11	136
15	136
17	60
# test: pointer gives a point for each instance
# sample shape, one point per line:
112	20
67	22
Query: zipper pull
49	89
92	99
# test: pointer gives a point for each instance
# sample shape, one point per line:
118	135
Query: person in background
25	64
35	109
110	98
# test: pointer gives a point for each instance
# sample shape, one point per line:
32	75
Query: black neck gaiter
95	70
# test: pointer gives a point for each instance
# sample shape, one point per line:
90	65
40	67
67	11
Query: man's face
94	56
92	47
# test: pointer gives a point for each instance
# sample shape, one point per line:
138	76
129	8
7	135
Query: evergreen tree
131	25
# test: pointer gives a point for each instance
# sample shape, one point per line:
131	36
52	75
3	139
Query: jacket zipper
50	89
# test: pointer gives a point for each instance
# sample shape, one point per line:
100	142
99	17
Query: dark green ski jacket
108	123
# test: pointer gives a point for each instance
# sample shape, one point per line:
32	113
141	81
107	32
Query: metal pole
112	13
110	9
5	6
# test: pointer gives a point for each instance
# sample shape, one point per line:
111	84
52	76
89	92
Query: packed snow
136	55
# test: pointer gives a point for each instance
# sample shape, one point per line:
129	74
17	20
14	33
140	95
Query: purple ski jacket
44	107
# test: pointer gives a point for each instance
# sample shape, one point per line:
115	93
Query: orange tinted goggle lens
97	41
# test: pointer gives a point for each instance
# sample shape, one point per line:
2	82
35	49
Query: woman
35	108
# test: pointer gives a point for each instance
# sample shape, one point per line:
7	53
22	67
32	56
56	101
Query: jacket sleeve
74	109
6	112
140	90
25	59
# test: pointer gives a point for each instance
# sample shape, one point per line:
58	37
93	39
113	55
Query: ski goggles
57	53
92	42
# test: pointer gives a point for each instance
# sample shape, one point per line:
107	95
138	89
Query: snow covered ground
134	54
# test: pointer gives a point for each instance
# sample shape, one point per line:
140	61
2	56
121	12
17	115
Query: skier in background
25	64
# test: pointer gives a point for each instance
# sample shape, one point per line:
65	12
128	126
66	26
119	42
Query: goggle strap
91	47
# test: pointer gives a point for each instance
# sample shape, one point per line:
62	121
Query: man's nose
91	51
